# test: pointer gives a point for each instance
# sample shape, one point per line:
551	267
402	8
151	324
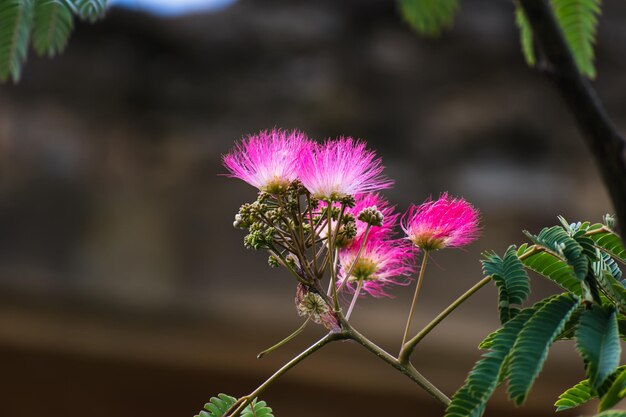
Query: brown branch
606	144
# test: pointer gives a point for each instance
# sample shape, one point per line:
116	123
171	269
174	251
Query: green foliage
531	347
582	392
616	392
551	266
53	23
471	398
608	241
525	35
15	26
569	331
612	413
260	410
558	241
49	21
511	279
429	17
90	10
218	406
578	20
579	257
575	396
597	340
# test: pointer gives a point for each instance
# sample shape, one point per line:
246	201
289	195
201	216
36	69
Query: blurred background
124	289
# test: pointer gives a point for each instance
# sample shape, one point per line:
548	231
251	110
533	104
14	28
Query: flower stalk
408	347
285	340
415	295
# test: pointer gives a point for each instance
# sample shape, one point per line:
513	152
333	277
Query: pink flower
446	222
383	262
342	167
267	160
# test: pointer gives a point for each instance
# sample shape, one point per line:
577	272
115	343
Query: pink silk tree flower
268	160
382	263
443	223
340	168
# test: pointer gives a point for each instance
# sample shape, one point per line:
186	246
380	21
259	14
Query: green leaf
511	279
525	35
53	23
531	347
621	325
612	413
597	340
551	266
615	393
569	331
260	410
608	241
90	10
16	20
613	288
487	373
575	396
558	241
217	406
582	392
429	17
578	20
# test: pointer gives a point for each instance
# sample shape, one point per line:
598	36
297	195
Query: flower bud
371	216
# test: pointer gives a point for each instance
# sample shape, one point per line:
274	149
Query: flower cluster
331	171
319	210
374	259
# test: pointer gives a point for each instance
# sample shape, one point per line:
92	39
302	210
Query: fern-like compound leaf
52	25
613	288
90	10
597	340
551	266
616	392
608	241
558	241
15	26
525	35
511	279
429	17
470	400
575	396
260	410
217	406
531	347
578	20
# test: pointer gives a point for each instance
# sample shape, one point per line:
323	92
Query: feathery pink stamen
268	160
446	222
342	167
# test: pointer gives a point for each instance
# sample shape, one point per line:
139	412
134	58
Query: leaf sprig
49	24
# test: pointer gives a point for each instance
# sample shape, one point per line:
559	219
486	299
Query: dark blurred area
124	289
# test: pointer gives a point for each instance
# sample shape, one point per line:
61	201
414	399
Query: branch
406	369
606	144
408	347
239	406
